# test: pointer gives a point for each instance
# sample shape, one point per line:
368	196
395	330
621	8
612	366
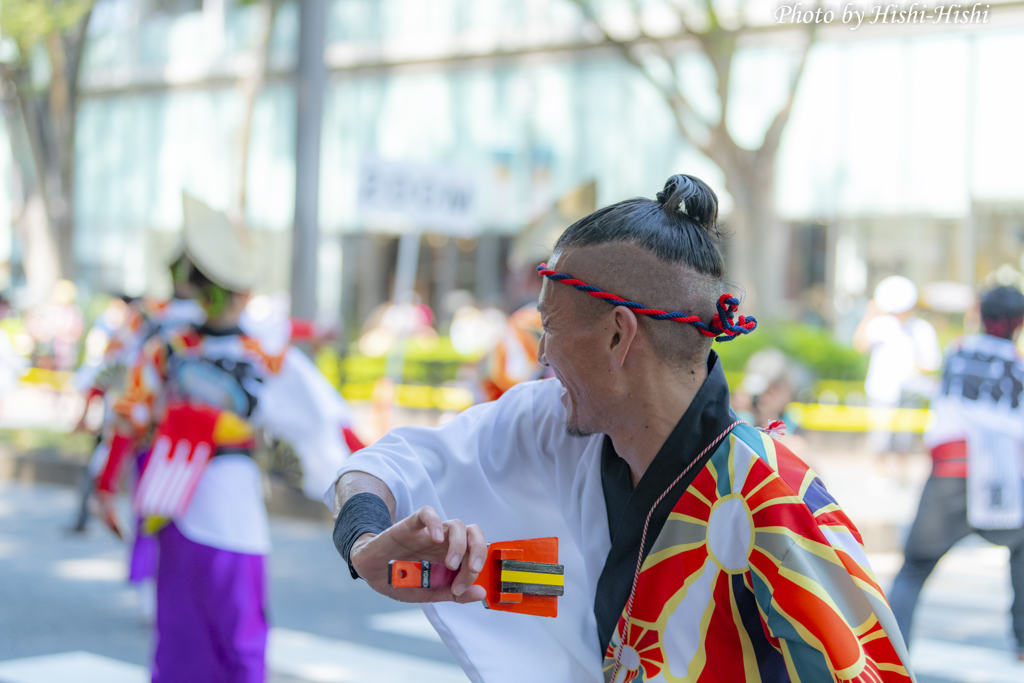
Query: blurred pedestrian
56	326
903	347
514	358
12	364
116	331
206	391
977	445
771	381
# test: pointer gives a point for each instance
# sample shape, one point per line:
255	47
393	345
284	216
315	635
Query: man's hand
423	536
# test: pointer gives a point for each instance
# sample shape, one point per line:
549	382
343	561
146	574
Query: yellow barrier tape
837	418
414	396
54	378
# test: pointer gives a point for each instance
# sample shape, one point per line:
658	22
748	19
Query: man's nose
541	356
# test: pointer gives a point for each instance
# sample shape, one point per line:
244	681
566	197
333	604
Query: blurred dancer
212	387
514	357
111	347
122	331
903	347
56	327
976	485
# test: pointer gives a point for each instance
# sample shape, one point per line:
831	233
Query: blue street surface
68	615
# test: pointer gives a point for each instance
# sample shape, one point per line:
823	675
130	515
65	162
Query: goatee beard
576	432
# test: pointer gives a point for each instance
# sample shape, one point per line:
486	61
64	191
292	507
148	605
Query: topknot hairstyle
680	226
693	198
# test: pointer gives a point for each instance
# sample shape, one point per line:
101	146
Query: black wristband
363	513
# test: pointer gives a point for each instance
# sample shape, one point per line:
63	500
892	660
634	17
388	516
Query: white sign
399	197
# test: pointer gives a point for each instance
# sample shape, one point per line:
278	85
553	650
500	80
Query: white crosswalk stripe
294	653
80	667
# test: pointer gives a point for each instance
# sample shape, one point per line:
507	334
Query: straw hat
221	251
895	294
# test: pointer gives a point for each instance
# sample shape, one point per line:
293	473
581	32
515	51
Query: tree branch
251	86
773	136
673	95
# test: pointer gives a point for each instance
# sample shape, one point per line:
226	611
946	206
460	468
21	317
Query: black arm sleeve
363	513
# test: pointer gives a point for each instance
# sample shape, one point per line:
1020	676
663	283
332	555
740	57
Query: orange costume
514	359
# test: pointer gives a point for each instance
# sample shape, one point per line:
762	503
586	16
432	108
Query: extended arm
297	404
420	536
484	467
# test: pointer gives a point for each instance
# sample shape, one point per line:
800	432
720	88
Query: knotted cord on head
722	327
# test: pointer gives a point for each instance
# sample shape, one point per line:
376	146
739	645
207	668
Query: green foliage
428	361
26	22
68	445
811	346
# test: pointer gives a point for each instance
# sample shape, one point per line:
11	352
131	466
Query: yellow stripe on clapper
532	577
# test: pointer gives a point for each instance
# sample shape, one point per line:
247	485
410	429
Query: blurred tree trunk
757	250
251	85
41	127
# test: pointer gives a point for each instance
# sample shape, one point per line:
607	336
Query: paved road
66	594
66	614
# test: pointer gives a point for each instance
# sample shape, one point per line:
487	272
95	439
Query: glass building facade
900	143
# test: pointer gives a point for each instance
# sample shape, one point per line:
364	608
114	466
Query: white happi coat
509	467
293	402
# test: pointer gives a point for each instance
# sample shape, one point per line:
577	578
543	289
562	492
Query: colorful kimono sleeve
819	600
143	384
135	409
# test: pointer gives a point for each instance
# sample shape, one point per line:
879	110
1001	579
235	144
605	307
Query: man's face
571	346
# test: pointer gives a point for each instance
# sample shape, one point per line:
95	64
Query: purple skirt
211	623
142	564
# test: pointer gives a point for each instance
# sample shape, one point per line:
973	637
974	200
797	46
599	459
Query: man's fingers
472	594
425	518
456	543
476	554
429	519
477	548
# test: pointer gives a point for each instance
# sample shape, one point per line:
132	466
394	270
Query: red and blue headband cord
723	328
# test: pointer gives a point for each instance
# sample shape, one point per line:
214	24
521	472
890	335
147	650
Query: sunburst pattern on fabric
757	575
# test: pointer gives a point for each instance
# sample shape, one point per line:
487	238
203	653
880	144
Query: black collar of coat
707	417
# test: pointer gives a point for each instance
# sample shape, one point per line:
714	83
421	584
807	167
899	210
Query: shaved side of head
663	253
634	273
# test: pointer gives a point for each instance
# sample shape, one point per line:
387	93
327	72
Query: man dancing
695	547
218	387
976	484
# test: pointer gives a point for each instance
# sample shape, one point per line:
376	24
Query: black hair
680	226
1002	303
197	279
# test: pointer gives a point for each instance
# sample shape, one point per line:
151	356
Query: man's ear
623	332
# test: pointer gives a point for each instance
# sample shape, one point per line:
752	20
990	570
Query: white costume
509	467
